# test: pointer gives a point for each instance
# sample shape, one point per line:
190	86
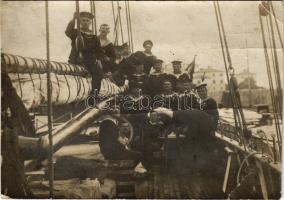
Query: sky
179	30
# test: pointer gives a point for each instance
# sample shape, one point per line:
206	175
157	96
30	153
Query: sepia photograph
141	99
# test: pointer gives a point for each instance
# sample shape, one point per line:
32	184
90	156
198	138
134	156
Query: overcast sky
179	30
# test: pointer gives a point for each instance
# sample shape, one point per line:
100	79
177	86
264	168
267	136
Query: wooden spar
18	64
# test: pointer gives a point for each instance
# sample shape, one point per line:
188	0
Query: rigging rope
130	26
94	15
277	103
240	123
276	24
92	11
114	24
277	73
115	31
127	21
120	24
49	104
233	80
278	132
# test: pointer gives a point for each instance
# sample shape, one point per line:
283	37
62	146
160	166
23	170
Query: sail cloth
70	83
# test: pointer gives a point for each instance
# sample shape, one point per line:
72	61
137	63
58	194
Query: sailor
152	131
185	88
123	67
146	56
113	141
176	68
135	106
207	103
108	51
89	46
121	53
168	95
199	130
155	79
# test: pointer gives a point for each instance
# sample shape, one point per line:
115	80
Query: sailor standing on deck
146	57
207	103
188	99
108	51
85	49
155	79
177	68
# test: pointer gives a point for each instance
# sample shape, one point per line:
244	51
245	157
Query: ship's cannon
64	133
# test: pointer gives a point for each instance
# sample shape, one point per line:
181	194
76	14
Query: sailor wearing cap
185	88
85	48
113	141
176	68
205	102
170	98
146	56
107	48
154	84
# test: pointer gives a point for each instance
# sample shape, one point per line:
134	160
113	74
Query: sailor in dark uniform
168	97
200	145
155	80
113	143
108	51
89	45
124	67
136	104
177	68
146	57
207	103
185	88
121	52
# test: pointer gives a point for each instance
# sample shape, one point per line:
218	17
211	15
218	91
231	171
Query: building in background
245	74
215	78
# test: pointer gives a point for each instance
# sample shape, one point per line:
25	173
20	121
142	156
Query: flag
203	77
190	68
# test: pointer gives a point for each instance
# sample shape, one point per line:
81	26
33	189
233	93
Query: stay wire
130	27
226	68
120	23
49	104
269	78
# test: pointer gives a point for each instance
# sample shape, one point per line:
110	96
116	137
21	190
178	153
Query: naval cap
184	78
146	42
86	14
176	62
199	85
157	61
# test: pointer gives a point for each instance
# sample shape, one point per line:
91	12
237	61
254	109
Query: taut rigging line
240	123
275	101
49	104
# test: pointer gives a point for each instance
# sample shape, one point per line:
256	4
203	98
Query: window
221	81
214	81
213	74
221	74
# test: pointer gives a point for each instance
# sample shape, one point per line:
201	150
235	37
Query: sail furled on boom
70	83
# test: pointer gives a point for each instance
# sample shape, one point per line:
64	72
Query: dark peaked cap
176	62
184	78
202	84
147	42
86	14
158	61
